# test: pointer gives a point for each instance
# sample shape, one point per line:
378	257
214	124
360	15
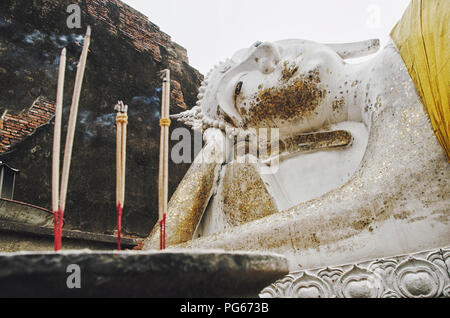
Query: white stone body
388	194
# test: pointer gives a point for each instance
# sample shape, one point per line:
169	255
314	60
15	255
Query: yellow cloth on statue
422	37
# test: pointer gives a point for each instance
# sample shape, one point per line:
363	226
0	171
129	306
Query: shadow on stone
171	273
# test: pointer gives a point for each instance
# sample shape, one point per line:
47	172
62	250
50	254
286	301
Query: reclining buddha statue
361	169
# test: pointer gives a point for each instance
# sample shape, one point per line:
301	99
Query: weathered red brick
146	35
18	127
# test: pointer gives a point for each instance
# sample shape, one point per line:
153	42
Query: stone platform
171	273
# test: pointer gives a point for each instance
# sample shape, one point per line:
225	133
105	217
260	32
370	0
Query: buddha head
289	84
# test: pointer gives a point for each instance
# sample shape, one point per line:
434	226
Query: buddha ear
355	49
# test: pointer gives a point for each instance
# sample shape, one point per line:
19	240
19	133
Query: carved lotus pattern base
419	275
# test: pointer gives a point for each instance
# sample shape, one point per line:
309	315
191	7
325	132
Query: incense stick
119	178
164	157
71	129
166	145
124	156
57	147
118	160
72	120
121	140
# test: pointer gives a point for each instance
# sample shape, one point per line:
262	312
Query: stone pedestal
170	273
419	275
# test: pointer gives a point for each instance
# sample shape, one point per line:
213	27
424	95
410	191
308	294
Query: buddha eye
237	90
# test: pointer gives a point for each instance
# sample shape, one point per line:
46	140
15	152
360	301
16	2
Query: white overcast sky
212	30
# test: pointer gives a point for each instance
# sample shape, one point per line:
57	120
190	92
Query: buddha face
293	85
283	84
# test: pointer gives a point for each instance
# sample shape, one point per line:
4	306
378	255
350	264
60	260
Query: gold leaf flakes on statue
291	101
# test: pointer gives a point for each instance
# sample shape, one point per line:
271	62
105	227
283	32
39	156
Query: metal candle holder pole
164	122
121	141
60	206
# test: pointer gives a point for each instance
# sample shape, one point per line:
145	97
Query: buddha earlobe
355	49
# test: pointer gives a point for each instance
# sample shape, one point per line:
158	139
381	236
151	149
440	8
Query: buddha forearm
190	199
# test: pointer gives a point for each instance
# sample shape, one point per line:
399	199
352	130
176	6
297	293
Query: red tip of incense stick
60	223
57	228
119	224
162	233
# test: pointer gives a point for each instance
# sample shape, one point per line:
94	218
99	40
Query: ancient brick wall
146	36
127	53
15	128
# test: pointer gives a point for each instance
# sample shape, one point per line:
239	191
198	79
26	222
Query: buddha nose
266	57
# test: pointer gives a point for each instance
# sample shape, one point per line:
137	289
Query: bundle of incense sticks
121	153
59	194
164	122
